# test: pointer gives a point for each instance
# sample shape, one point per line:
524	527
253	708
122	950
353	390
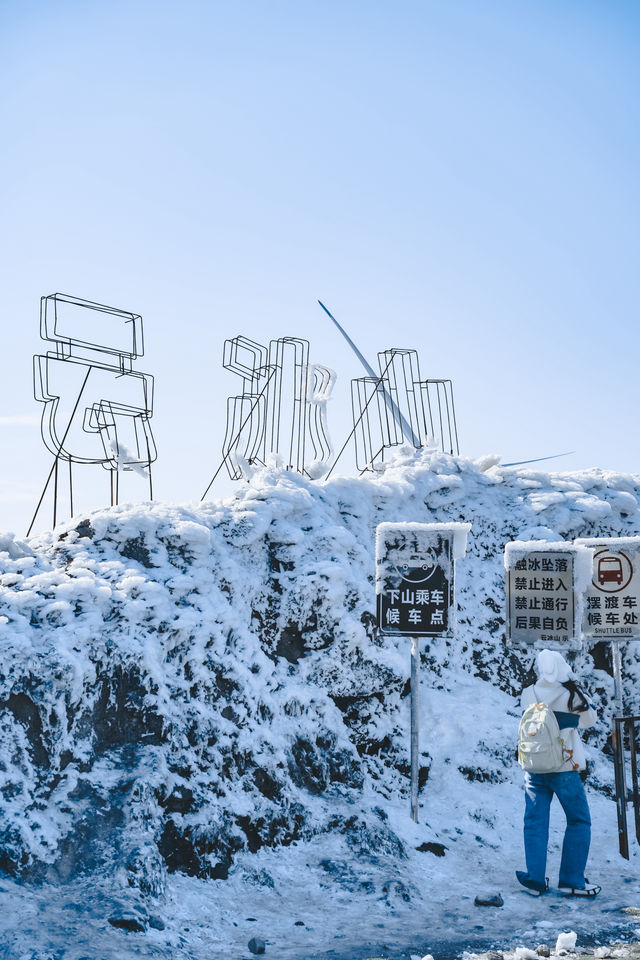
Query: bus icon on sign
609	570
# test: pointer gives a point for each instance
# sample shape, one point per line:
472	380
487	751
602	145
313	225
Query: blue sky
458	177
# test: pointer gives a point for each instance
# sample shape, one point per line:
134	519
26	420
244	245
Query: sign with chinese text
415	579
541	603
612	599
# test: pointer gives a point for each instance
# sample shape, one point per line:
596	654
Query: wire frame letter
281	410
97	408
399	408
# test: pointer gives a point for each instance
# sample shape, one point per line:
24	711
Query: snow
621	543
566	942
15	548
458	531
198	724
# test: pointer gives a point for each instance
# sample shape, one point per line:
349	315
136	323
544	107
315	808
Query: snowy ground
305	918
209	674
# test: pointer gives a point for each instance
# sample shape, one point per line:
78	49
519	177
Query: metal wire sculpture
109	423
399	408
281	411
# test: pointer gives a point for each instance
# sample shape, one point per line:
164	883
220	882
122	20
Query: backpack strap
576	691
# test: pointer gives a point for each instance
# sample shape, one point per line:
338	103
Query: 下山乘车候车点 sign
415	578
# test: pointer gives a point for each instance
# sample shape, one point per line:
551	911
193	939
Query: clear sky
458	176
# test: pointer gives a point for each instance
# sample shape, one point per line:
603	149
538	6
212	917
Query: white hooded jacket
553	671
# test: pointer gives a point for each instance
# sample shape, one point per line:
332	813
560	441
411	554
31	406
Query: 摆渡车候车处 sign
612	601
414	580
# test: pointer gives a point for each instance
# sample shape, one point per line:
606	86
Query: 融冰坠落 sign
545	583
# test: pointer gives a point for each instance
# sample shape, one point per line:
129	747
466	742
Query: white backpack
540	746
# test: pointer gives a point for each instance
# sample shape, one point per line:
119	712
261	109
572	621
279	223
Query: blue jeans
539	791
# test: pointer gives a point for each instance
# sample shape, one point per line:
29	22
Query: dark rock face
84	529
489	900
27	714
479	775
127	921
438	849
135	549
197	853
121	715
314	766
290	643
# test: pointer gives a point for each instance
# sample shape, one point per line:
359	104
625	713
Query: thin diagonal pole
455	425
372	461
388	399
146	438
55	490
364	410
70	489
238	434
60	446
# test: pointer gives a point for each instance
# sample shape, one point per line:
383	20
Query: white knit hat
552	667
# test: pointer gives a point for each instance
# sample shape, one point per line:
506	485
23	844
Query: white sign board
612	601
543	582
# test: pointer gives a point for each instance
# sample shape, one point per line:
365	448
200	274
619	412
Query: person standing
557	688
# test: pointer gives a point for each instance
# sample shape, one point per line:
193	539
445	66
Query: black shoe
589	890
535	888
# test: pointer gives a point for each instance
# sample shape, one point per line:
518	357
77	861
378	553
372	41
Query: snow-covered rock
184	689
566	942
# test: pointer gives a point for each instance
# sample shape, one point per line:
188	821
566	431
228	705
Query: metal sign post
415	565
616	655
617	744
612	612
619	725
415	733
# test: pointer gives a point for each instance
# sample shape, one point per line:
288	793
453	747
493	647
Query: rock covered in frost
489	900
127	920
181	687
256	945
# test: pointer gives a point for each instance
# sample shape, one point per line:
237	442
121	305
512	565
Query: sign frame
423	585
391	541
630	545
625	580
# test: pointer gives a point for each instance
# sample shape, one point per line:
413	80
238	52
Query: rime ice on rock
194	699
